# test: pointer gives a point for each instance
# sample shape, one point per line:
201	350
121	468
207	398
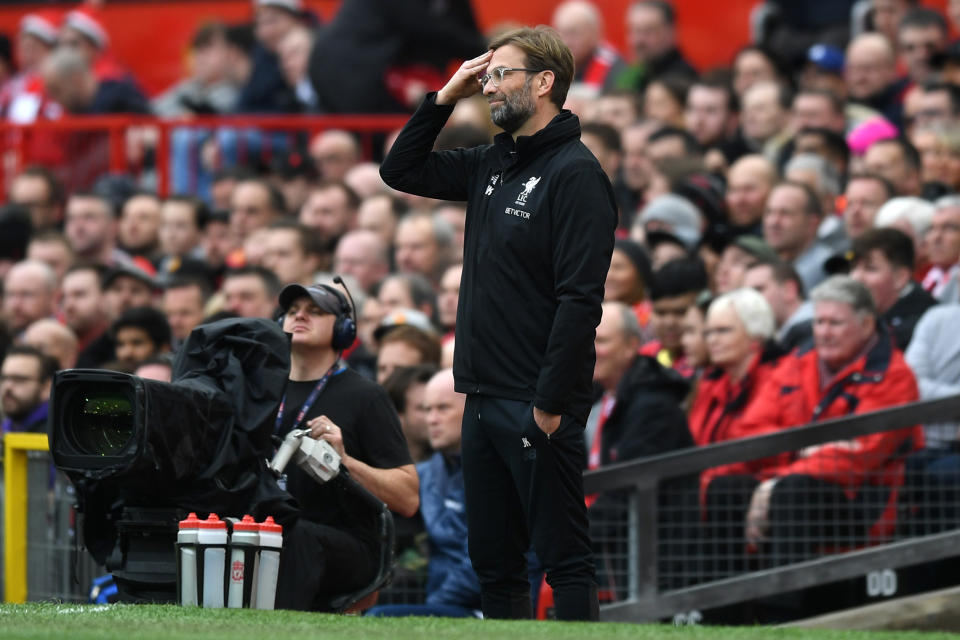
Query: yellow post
15	447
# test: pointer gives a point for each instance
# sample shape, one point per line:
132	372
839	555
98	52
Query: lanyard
606	408
609	402
317	390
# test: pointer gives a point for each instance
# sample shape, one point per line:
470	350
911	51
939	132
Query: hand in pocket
547	422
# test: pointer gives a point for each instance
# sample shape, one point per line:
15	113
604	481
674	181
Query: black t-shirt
371	434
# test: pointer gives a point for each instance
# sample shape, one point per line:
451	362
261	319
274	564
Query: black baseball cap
840	263
321	296
128	270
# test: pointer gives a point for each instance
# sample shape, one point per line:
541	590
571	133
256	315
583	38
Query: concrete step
931	611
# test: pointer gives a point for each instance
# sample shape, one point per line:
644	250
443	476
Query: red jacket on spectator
878	379
720	405
792	396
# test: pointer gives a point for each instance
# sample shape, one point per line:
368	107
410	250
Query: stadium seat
365	597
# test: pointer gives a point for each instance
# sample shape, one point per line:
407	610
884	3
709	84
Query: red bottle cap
213	522
191	522
270	526
246	524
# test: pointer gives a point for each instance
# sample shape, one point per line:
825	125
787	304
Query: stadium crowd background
830	145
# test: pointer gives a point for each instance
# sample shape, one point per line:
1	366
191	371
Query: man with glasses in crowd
25	379
540	221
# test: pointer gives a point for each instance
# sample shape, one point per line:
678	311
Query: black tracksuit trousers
523	486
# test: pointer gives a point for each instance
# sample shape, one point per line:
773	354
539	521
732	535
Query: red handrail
49	142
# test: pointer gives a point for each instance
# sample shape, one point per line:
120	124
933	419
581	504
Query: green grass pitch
166	622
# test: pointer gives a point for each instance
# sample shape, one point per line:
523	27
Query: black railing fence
865	505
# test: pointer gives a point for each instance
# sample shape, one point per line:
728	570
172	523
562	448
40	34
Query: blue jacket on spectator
118	96
451	580
34	422
266	91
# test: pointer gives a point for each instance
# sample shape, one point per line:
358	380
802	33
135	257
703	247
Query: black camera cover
202	441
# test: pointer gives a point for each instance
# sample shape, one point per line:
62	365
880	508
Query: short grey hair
442	230
917	211
946	202
829	180
45	271
753	310
421	291
629	325
846	290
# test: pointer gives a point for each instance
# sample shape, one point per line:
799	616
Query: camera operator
355	416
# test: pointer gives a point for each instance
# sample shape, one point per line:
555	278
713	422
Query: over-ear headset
345	326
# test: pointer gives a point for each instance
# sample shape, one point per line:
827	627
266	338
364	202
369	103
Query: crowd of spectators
281	62
789	227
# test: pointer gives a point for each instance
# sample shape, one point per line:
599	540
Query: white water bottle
187	544
271	541
212	539
244	544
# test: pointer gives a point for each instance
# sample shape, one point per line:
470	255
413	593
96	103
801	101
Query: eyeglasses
497	75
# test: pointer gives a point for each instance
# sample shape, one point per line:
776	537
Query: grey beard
514	112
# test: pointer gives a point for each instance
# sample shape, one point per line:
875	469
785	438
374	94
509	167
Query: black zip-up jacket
540	222
647	419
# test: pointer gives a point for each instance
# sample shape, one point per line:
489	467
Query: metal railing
647	598
41	559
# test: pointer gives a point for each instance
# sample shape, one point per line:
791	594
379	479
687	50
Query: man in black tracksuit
540	224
